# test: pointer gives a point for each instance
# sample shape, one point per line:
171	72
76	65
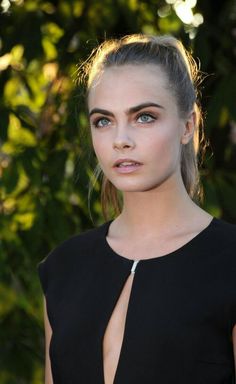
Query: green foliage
45	162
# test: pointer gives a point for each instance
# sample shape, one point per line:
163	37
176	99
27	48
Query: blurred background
45	157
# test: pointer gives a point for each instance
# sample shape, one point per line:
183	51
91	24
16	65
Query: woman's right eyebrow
101	111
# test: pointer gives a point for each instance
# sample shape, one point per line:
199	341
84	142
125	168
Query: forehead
129	85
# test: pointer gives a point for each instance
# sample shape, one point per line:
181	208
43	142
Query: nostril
122	144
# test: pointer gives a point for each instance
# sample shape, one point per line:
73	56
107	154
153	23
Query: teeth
126	163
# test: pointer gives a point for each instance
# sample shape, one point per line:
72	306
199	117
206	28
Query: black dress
181	311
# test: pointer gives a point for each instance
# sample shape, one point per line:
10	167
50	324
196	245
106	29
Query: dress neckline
187	246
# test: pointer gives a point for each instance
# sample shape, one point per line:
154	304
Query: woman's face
136	129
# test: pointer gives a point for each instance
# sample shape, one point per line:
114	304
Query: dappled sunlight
185	11
5	4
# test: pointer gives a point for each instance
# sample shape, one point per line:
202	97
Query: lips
127	166
126	163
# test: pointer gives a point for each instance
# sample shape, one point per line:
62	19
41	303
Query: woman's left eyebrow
142	106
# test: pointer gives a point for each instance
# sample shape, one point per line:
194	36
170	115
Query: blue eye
101	122
145	118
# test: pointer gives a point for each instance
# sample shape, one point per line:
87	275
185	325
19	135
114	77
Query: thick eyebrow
101	111
142	106
128	111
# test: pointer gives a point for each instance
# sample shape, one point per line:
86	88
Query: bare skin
48	335
234	345
114	333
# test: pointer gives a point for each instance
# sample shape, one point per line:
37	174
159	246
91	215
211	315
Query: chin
142	185
138	187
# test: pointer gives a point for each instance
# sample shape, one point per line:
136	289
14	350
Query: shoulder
83	242
220	240
223	232
75	253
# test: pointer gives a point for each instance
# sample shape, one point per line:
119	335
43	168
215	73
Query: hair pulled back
183	78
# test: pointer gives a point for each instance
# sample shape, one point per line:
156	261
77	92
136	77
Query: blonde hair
183	76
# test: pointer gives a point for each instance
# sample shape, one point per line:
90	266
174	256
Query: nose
122	140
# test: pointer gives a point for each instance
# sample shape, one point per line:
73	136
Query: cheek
165	146
96	142
161	140
99	147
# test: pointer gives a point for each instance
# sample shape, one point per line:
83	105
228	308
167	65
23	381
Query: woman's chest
141	324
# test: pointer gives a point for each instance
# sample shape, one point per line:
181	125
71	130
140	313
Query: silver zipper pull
134	266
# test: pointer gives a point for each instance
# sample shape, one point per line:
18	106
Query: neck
156	210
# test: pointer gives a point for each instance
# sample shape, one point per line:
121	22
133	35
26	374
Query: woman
149	297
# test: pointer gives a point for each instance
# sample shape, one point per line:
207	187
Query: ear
189	127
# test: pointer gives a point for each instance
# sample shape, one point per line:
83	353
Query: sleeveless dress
180	316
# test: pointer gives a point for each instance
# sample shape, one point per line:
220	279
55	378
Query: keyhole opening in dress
114	333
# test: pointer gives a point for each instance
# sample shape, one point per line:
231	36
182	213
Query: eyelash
96	122
147	114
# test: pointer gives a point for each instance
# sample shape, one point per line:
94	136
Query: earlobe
189	128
